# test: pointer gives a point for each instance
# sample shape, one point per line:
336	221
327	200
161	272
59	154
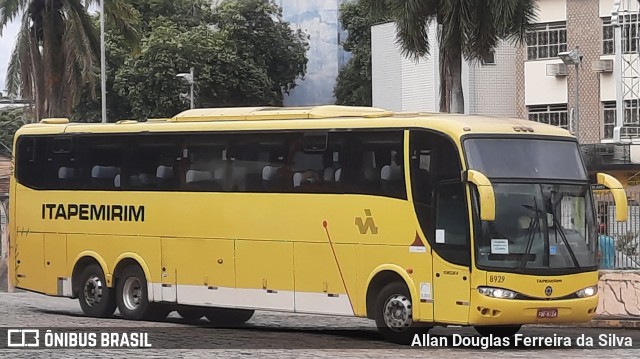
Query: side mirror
485	190
619	195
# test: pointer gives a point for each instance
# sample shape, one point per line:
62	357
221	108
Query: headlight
497	292
587	292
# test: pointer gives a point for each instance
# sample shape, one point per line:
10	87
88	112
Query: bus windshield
539	226
525	158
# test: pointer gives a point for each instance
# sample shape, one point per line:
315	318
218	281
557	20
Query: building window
545	41
609	119
631	125
630	35
555	115
489	58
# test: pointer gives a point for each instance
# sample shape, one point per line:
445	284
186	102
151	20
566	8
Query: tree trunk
444	74
455	79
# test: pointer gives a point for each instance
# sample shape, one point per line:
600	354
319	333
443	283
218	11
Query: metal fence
619	242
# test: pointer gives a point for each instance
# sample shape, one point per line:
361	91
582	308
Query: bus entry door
452	257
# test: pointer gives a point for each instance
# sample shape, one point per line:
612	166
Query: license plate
548	313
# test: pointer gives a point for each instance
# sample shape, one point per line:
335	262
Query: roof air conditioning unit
556	70
602	66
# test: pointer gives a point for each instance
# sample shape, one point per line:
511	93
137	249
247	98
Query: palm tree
466	29
56	50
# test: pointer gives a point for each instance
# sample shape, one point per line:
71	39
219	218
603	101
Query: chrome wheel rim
131	293
398	313
93	290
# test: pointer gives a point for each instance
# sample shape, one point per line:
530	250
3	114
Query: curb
612	323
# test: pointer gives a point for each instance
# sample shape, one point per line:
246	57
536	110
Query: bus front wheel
131	294
96	298
394	314
498	330
228	316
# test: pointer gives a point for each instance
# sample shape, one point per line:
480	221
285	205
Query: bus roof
303	118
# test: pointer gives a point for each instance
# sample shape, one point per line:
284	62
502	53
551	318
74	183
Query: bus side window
30	162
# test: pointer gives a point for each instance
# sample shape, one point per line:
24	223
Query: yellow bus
413	220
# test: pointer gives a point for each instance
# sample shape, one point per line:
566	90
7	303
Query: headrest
268	172
297	179
338	174
66	172
329	174
164	172
198	176
391	173
102	172
219	174
116	181
145	178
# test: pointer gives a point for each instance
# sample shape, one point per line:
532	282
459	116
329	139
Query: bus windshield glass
525	158
539	226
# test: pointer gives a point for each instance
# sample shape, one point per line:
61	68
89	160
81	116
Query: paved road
270	335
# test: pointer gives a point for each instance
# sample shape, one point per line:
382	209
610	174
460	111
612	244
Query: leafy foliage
242	52
11	119
353	85
56	50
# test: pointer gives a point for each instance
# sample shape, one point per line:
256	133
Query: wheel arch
127	259
82	261
382	276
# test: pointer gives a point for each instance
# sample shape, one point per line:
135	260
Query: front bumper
485	310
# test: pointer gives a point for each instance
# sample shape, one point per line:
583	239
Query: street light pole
103	65
574	57
192	83
577	112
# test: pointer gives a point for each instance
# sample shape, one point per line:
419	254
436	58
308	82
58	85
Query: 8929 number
496	279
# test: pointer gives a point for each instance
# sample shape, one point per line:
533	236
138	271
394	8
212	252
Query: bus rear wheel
95	297
131	294
503	331
228	317
394	314
191	314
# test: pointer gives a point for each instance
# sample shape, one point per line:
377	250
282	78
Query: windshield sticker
553	250
499	246
439	235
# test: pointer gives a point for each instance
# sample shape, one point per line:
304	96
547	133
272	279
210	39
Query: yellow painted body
275	242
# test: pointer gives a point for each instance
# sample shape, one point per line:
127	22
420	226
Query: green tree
353	85
224	78
260	33
56	50
11	119
243	54
467	29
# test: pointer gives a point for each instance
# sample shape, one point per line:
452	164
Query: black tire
503	331
406	328
131	294
228	317
95	297
191	314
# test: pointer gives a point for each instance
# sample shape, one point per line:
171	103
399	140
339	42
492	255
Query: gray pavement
269	334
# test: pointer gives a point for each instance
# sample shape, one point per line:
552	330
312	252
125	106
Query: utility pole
103	65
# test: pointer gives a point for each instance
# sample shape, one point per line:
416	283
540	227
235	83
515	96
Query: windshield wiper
533	227
558	229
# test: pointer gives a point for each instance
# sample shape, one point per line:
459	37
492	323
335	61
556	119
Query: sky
6	46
